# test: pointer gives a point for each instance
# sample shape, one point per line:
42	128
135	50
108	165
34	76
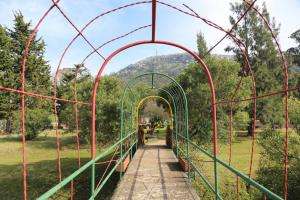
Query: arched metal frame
179	95
23	93
174	96
205	70
171	94
137	110
151	97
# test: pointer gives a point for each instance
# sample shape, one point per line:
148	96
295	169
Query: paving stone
154	173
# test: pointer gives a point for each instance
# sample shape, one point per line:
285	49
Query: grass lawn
42	173
241	152
41	158
240	157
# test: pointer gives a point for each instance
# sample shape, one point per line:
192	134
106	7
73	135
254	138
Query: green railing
95	191
91	163
248	180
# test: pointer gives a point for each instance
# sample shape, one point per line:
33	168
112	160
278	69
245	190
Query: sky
171	26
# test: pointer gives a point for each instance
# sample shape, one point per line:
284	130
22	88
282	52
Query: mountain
171	65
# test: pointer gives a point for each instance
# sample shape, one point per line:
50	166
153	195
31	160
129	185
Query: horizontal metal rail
208	184
68	179
233	170
98	189
205	180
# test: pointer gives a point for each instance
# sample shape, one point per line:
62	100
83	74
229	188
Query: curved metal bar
239	43
76	28
173	97
132	81
114	39
23	93
128	84
202	65
286	88
91	21
141	102
55	4
135	78
22	109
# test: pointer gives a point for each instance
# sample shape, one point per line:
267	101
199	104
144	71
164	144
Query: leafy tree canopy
37	72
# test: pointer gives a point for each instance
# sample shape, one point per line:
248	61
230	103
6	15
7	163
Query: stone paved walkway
154	173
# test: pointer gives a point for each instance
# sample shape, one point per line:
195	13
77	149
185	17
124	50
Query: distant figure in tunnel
141	135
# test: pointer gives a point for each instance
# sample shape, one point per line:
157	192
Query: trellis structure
175	102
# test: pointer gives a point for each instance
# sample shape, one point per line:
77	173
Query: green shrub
36	120
270	171
241	120
294	113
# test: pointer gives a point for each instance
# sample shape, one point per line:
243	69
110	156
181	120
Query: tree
294	113
107	104
194	82
263	58
8	78
66	90
241	120
270	171
201	45
293	54
295	51
37	71
37	68
108	109
36	120
225	73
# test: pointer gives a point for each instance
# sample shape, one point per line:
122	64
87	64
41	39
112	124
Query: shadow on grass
43	175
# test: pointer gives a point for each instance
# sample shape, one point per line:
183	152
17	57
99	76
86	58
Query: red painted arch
143	42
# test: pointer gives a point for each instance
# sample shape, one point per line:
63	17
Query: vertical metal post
122	130
186	124
153	20
121	138
93	181
131	129
216	178
176	124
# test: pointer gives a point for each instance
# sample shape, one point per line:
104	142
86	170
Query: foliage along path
154	173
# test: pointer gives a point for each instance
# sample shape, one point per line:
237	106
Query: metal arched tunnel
126	145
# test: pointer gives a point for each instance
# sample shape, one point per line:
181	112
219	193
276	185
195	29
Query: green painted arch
180	95
141	102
